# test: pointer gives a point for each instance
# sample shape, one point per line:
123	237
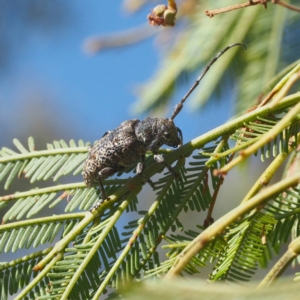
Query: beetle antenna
179	106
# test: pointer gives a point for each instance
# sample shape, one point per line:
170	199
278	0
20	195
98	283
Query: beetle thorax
155	132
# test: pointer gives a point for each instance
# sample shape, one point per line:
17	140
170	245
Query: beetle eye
180	135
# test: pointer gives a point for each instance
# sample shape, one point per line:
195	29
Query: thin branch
284	4
280	85
170	158
265	178
124	38
43	220
25	258
136	234
35	154
170	222
288	85
209	220
211	13
57	188
292	252
215	229
265	138
121	208
39	277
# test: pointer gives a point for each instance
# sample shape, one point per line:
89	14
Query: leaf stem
57	188
265	178
215	229
55	218
39	277
113	219
211	13
35	154
24	259
265	138
136	233
282	263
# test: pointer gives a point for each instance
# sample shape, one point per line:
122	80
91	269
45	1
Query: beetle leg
104	196
139	170
106	172
160	159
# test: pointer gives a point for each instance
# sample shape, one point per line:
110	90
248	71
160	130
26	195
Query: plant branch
265	178
24	259
288	85
35	154
265	138
39	277
170	158
121	208
56	218
136	233
292	252
287	5
211	13
279	86
56	188
175	215
215	229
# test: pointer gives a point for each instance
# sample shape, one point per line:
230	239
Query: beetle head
169	134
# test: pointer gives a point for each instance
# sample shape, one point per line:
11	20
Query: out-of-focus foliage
195	290
270	34
42	17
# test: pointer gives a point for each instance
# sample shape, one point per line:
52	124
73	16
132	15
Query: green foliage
261	30
84	253
93	252
195	289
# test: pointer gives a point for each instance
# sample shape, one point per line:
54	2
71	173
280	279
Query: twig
266	138
282	263
288	6
215	229
209	219
211	13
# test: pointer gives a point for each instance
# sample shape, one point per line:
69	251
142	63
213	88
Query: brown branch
286	5
211	13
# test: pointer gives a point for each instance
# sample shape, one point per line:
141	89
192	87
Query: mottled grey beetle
128	143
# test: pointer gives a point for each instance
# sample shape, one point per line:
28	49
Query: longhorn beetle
128	143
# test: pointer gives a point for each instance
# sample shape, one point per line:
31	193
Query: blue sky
52	83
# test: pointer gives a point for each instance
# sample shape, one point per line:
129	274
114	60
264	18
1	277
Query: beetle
128	143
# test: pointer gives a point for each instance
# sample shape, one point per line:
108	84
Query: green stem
231	126
43	220
176	214
283	262
35	154
265	138
279	267
61	245
265	178
121	208
215	229
24	259
136	233
39	277
58	188
216	157
217	153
